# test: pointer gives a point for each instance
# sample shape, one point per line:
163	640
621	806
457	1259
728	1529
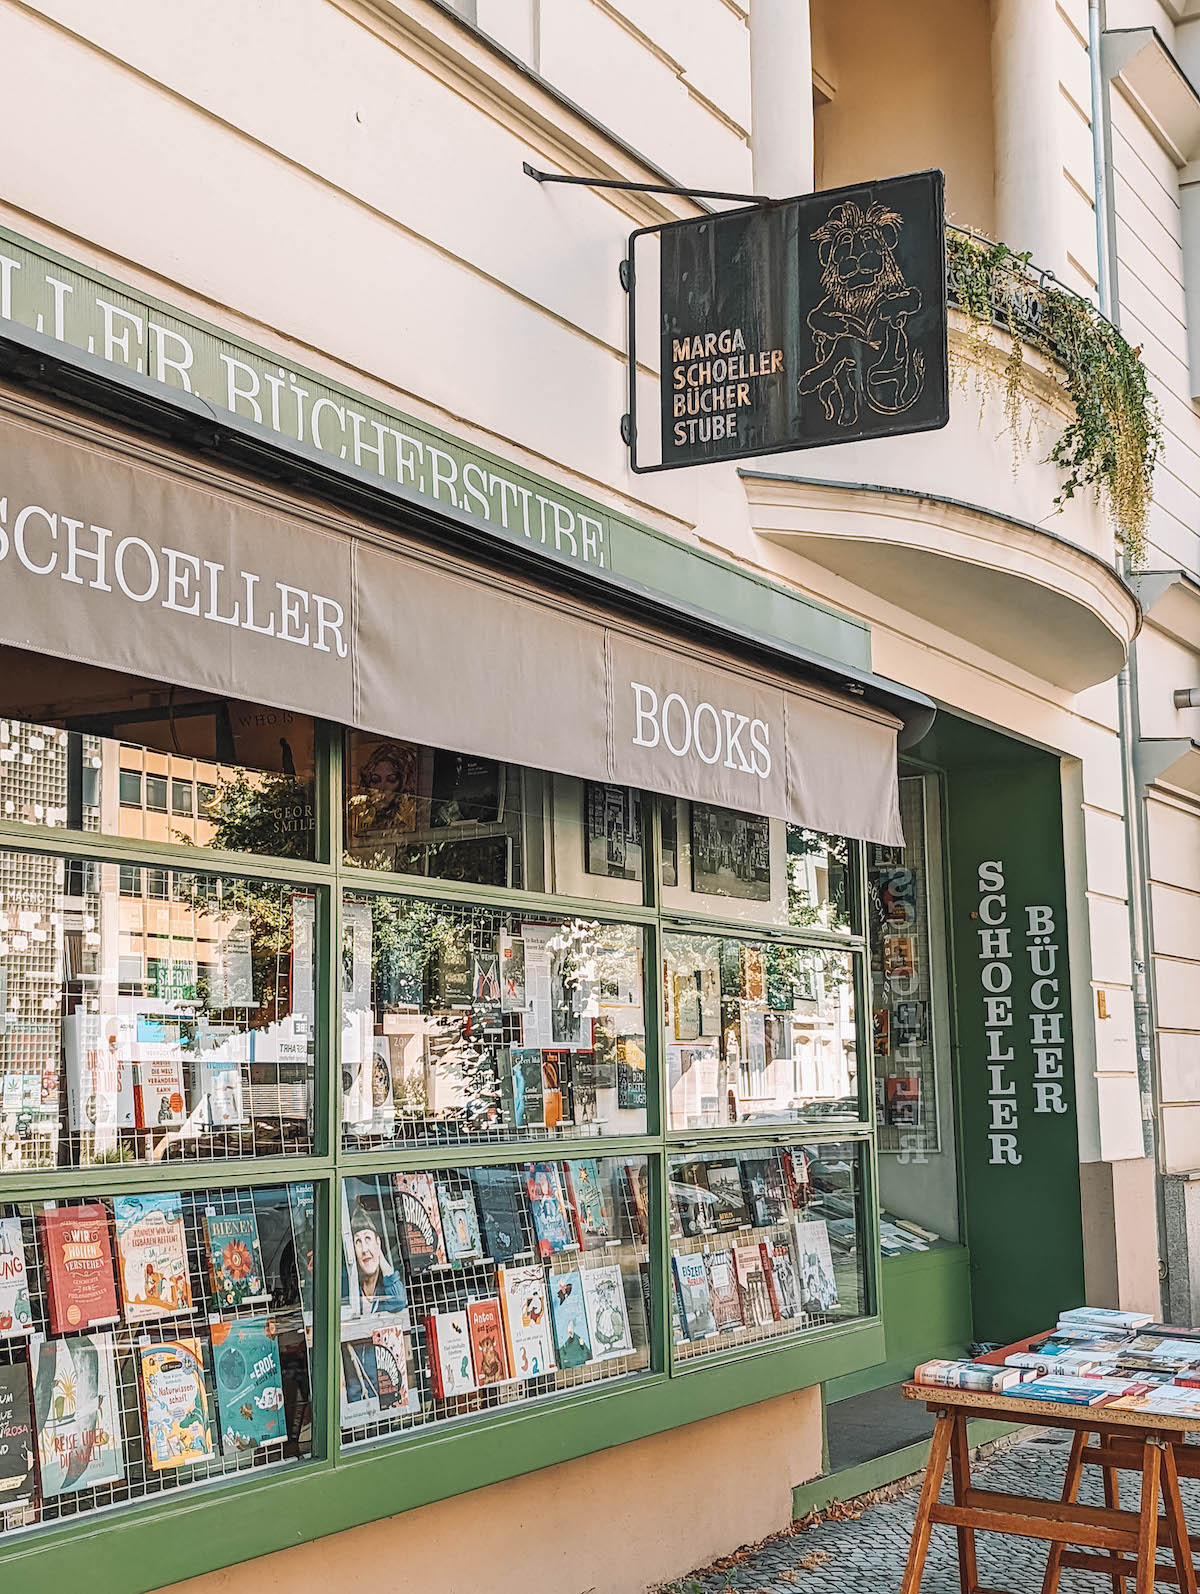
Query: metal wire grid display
906	1095
87	1389
468	1025
766	1243
165	1020
467	1290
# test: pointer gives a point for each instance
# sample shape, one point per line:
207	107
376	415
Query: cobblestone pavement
867	1555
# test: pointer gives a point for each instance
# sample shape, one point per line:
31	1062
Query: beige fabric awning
121	555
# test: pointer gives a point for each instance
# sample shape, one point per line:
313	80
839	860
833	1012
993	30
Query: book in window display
235	1265
751	1269
375	1380
249	1384
607	1315
547	1204
694	1294
486	1328
692	1201
78	1414
902	1094
590	1204
174	1403
897	895
729	1208
302	1211
16	1313
218	1095
420	1222
77	1253
814	1265
637	1184
526	1065
502	1207
460	1225
371	1280
525	1305
510	952
152	1262
568	1311
781	1270
466	790
767	1189
451	1368
631	1072
99	1066
158	1098
18	1480
556	1087
723	1288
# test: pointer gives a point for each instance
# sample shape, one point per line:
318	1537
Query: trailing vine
1112	443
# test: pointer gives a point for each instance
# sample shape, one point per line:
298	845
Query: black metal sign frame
797	323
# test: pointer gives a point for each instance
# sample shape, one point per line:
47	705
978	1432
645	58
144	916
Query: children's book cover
158	1099
486	1328
526	1308
375	1370
607	1315
543	1184
460	1224
249	1385
16	1313
235	1262
77	1251
175	1403
590	1204
448	1337
78	1414
568	1310
152	1264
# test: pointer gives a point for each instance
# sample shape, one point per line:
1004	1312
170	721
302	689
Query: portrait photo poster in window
613	831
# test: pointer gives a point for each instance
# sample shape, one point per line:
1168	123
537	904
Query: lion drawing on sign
858	328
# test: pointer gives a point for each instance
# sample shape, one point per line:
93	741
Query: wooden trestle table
1117	1543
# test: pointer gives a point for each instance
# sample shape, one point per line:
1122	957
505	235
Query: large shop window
462	1025
470	1289
152	1014
151	1342
758	1031
766	1242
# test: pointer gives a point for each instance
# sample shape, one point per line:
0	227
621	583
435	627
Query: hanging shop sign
135	566
792	325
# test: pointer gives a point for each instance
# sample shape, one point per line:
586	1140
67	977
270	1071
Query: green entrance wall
1019	1151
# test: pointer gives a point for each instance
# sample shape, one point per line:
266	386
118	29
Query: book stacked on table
1094	1357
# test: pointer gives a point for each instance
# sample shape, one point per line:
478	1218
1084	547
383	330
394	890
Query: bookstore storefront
434	1008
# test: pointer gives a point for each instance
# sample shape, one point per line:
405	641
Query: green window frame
186	1532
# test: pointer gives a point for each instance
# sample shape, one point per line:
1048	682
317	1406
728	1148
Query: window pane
734	865
424	811
758	1032
152	1319
470	1289
130	786
129	880
766	1242
111	759
463	1024
178	1027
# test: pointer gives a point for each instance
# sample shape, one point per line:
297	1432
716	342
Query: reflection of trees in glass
805	910
269	814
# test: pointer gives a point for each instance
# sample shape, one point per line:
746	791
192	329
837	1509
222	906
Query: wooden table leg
1176	1524
960	1468
1112	1499
1148	1526
939	1450
1070	1490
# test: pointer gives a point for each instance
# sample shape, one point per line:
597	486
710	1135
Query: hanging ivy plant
1113	442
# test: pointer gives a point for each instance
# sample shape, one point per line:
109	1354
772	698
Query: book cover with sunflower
234	1259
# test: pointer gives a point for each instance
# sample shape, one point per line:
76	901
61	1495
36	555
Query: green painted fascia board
679	570
210	1529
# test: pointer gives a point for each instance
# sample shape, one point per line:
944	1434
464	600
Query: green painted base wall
925	1301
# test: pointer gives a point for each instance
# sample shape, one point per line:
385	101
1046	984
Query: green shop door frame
1007	925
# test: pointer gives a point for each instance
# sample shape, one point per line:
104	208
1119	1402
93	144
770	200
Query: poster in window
910	1023
904	1100
731	853
898	896
466	790
899	957
613	831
